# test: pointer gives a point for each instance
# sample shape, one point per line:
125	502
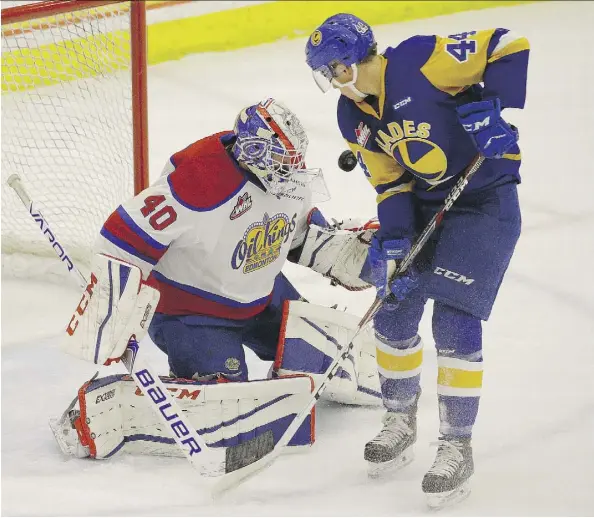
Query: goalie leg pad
311	337
109	415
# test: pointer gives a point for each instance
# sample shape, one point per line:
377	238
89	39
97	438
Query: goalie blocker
109	415
114	307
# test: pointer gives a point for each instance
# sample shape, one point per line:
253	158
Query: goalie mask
272	143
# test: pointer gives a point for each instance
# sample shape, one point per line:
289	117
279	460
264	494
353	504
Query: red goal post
74	117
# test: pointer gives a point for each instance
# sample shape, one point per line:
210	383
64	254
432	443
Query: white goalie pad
338	253
109	415
309	341
114	307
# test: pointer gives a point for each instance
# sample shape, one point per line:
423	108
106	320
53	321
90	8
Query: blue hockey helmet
341	39
271	143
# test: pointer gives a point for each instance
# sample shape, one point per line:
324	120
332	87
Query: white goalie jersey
212	241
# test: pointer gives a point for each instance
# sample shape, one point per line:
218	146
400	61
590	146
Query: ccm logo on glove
491	134
476	126
80	309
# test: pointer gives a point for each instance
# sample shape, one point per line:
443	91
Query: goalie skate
448	480
391	449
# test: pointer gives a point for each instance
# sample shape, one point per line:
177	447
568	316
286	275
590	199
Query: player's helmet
342	38
272	143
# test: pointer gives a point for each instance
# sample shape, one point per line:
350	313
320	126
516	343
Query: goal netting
72	122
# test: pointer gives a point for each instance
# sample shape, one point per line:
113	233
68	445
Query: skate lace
395	429
447	460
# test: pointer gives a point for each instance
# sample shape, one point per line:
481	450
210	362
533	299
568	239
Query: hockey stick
189	441
14	181
234	478
436	220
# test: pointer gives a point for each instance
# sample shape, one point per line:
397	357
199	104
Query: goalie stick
234	478
206	460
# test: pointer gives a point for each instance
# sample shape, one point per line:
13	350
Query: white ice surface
534	439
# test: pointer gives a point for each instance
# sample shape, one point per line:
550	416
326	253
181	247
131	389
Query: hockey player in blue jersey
415	117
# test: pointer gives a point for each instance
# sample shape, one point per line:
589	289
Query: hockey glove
492	135
382	260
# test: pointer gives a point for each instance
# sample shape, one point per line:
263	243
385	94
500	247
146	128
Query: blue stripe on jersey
137	230
207	295
125	246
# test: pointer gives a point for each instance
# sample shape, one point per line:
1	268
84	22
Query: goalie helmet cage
74	122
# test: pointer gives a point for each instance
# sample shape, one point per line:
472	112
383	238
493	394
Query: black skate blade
437	501
378	469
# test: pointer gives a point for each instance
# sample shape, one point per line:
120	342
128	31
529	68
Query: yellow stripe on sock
392	362
459	378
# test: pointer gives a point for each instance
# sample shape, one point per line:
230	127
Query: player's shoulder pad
410	54
349	117
205	176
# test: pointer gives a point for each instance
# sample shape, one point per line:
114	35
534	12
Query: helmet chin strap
351	84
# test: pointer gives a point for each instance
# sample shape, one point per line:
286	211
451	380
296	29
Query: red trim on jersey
117	227
205	175
175	301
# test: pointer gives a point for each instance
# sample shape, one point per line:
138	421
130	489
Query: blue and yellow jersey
409	141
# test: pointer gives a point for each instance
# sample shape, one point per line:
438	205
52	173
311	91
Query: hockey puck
347	160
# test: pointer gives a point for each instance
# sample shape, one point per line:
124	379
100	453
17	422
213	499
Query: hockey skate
391	449
448	480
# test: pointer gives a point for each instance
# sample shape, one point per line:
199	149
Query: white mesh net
66	126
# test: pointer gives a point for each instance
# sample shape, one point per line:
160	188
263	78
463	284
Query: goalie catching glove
339	251
114	307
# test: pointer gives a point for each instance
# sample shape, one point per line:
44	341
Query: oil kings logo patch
244	203
262	242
